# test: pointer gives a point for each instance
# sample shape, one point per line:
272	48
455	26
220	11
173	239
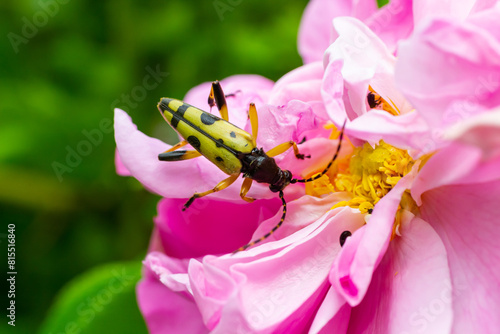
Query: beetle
230	148
373	100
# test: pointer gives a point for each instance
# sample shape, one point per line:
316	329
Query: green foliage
100	301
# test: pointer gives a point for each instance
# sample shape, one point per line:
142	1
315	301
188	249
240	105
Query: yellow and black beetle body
230	148
215	138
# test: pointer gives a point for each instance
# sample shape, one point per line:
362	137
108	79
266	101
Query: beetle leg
254	121
245	187
221	185
216	97
176	146
178	155
281	148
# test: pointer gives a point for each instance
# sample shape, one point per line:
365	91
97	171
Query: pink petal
274	287
171	272
366	61
353	268
284	123
393	22
166	311
179	179
300	213
354	62
210	226
333	90
456	9
315	32
304	84
473	157
120	167
304	81
411	289
449	70
482	5
466	219
332	316
482	131
408	131
321	151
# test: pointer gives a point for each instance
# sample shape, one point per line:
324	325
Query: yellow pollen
372	173
320	187
368	174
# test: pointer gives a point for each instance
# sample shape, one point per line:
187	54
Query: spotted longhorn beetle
230	148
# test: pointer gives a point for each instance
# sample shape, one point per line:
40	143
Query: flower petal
332	316
210	226
482	131
357	60
352	271
454	9
321	151
272	290
177	314
366	62
450	70
304	84
393	22
466	219
462	161
410	291
292	121
408	131
315	32
120	167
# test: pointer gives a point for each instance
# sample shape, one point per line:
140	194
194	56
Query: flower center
367	175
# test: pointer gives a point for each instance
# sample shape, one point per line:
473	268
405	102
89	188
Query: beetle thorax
262	168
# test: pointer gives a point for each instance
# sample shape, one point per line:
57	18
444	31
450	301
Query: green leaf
382	3
99	301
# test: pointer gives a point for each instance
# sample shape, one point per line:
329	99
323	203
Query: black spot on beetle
219	159
175	121
370	211
219	142
193	141
208	119
233	134
182	109
343	237
178	115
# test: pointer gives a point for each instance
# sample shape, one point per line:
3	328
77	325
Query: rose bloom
400	236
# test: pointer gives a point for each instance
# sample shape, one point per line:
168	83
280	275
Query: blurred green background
81	230
64	65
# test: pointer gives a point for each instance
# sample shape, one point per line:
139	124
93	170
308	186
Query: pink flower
221	223
417	192
427	275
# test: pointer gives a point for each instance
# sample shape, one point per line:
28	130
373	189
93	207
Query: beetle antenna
268	234
317	176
